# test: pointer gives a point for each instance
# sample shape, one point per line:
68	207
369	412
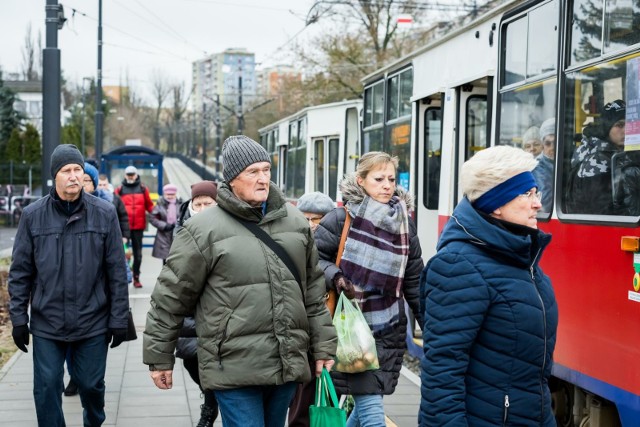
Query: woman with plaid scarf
380	268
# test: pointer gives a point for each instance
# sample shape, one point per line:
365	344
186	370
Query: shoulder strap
343	237
275	247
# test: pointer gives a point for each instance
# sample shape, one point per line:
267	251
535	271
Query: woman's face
380	183
521	210
616	133
169	197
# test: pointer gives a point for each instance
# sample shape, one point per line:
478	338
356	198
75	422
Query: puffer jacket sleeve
327	238
457	298
411	283
323	336
175	296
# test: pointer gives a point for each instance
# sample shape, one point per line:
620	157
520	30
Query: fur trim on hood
353	193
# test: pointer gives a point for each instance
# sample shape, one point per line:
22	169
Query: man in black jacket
68	265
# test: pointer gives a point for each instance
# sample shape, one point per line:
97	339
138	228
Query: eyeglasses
532	196
315	220
87	181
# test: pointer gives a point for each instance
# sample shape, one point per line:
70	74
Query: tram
313	148
487	83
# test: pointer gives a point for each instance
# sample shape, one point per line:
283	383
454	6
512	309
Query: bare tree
29	71
161	89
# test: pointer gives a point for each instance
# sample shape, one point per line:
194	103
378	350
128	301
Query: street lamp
84	103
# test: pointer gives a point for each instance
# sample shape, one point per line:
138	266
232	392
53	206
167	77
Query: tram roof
405	60
310	108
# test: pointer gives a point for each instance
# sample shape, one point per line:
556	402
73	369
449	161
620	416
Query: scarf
375	258
172	211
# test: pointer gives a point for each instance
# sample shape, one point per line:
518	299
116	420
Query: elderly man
68	265
248	267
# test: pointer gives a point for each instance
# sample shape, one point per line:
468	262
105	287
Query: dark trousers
136	246
191	365
304	397
89	365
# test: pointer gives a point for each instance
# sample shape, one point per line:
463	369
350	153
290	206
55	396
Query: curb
7	366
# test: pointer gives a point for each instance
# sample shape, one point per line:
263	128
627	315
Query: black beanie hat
63	155
239	152
613	112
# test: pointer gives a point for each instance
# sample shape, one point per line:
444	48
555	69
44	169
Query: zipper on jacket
544	325
506	409
222	339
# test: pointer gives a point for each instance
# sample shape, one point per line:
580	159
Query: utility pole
84	108
50	89
99	114
239	113
218	134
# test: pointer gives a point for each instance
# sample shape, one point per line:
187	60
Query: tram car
312	149
521	66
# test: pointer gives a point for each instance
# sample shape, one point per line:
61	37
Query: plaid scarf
375	258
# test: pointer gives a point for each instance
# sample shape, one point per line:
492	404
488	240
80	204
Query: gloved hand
169	227
342	284
118	335
21	337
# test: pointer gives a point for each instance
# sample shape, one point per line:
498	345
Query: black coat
390	345
123	218
70	268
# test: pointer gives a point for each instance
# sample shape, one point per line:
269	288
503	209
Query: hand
343	284
21	337
162	379
118	335
328	363
169	227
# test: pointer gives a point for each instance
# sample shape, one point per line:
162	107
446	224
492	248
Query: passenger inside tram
590	188
543	172
531	142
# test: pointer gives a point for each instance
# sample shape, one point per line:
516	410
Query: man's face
201	203
252	184
69	182
131	177
103	184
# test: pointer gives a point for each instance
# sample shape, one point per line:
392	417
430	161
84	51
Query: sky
141	36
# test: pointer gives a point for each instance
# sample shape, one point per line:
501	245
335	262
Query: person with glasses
590	188
531	142
543	172
137	201
490	313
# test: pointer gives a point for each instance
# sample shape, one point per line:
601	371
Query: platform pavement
131	398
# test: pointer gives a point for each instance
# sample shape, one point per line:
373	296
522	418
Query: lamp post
99	113
84	105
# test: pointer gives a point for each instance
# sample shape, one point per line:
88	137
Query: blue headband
505	192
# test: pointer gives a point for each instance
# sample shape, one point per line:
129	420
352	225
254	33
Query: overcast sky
143	35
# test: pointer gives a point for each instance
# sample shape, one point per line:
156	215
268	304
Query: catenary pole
99	117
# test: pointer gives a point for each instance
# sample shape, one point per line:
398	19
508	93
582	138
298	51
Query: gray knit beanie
239	152
316	202
63	155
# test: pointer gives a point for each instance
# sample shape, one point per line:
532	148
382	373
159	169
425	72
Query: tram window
373	140
334	152
476	121
531	44
621	28
374	104
394	97
433	156
399	94
399	136
319	163
600	170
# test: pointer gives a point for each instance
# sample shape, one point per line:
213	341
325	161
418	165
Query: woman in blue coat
490	311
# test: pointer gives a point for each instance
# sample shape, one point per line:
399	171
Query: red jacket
137	201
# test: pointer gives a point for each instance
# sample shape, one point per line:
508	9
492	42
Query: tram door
326	151
352	143
429	137
473	124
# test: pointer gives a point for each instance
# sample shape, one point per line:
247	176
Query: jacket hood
104	195
467	225
353	193
275	204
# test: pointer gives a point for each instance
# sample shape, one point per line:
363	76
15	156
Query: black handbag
131	328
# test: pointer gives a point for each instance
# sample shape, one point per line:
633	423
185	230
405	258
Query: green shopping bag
326	412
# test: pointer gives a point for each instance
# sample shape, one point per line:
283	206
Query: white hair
491	167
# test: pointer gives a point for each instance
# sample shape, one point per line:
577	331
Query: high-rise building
220	74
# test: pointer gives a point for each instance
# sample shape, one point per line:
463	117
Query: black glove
342	284
21	337
169	227
118	335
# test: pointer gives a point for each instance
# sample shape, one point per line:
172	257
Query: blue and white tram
313	148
